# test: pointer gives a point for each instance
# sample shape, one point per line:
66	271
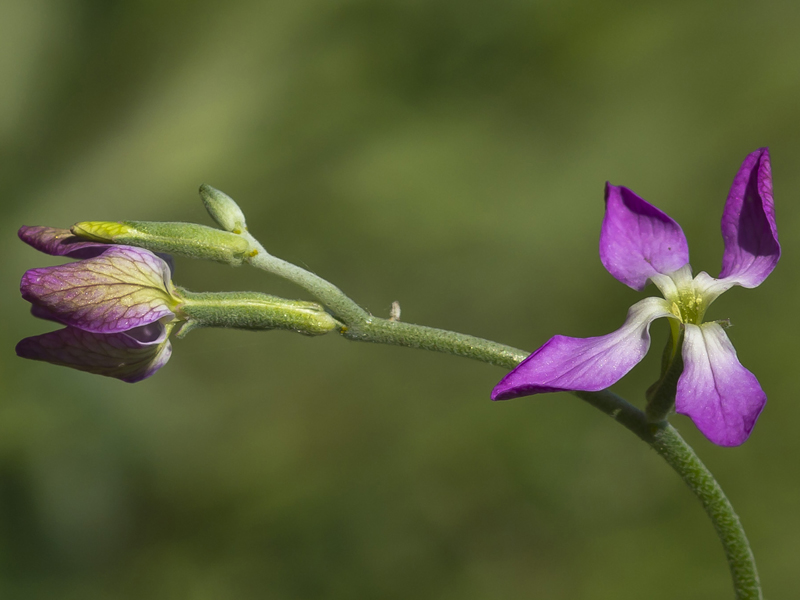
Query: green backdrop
448	155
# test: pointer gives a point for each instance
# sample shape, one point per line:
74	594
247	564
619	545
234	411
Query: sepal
254	311
661	395
185	239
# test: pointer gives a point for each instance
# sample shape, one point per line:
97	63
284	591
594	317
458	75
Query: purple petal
748	224
637	240
588	364
62	242
116	355
722	397
59	242
122	288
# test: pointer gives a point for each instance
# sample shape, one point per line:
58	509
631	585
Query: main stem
666	440
661	436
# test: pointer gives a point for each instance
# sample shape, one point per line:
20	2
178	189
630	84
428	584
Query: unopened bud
223	209
254	311
185	239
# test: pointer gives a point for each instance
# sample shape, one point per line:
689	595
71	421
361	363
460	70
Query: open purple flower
640	243
117	303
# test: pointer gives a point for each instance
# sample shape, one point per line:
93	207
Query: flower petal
588	364
748	224
722	397
59	242
118	355
637	240
708	288
62	242
122	288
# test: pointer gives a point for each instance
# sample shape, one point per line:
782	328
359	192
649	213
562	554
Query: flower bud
117	303
223	209
185	239
254	311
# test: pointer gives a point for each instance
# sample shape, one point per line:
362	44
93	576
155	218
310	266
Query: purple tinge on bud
130	356
121	288
114	302
59	242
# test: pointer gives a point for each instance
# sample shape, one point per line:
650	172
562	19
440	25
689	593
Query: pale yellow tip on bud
100	231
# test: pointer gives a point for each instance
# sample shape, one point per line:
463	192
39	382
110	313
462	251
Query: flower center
689	307
688	299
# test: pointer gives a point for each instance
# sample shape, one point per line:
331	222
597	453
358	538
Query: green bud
185	239
254	311
223	209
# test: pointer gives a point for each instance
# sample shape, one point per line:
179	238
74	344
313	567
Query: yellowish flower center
689	306
687	296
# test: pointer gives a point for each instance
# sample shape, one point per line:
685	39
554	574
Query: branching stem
661	436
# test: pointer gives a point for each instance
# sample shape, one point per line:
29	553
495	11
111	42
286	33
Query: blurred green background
449	155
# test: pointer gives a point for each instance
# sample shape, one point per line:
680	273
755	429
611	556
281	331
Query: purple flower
639	243
117	303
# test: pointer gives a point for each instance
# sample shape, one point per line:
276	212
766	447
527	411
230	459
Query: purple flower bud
118	303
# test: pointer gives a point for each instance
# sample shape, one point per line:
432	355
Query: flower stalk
328	294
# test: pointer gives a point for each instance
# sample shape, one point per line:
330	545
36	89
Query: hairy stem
383	331
661	436
342	307
666	440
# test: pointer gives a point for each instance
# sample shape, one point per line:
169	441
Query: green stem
661	436
383	331
666	440
680	456
331	296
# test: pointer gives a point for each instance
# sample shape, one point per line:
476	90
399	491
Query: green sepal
254	311
661	395
185	239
